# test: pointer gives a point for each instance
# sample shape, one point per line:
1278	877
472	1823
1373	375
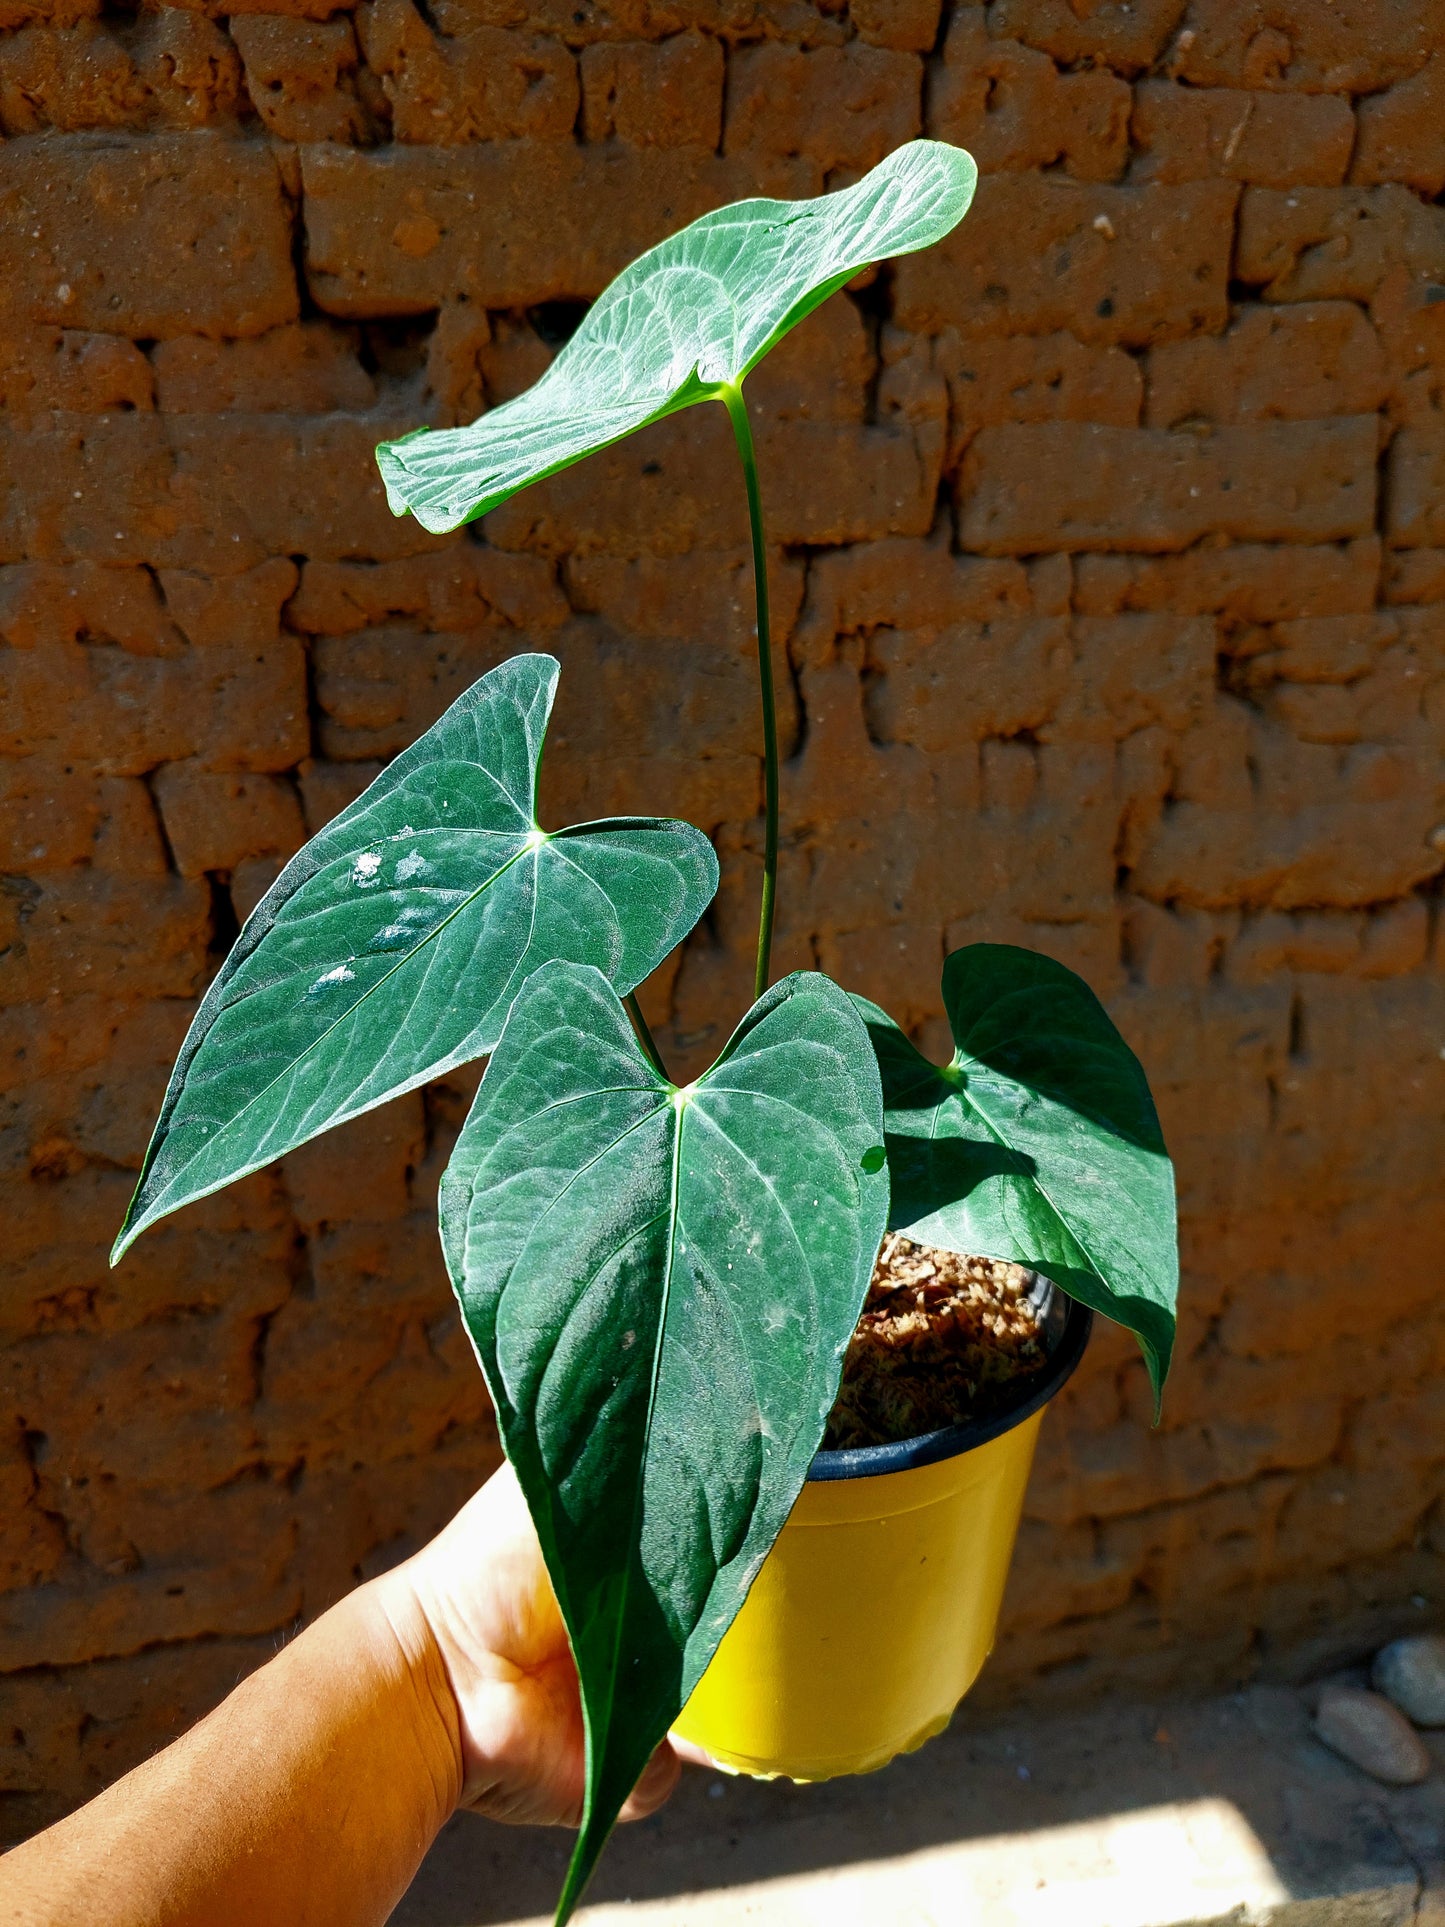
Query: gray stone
1411	1672
1370	1733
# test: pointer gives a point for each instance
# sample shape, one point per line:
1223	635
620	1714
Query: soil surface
942	1338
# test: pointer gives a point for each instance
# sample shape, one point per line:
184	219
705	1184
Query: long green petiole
732	399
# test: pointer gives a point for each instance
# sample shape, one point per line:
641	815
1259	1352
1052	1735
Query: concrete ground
1222	1811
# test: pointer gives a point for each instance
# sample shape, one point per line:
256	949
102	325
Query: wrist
400	1638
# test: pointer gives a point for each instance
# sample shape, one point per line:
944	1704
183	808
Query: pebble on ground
1411	1673
1365	1729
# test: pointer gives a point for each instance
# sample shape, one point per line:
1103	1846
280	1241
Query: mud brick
120	713
705	704
1329	827
836	106
1409	318
88	374
35	1542
1033	378
1347	47
310	367
175	70
252	714
821	370
897	965
1271	941
300	75
509	224
1245	583
238	696
361	1172
378	689
657	492
249	486
1293	363
233	1579
706	788
905	584
1011	107
176	234
1037	255
53	13
967	681
615	690
1415	488
215	821
92	1094
666	95
1273	140
1070	827
1400	132
78	930
54	816
464	587
195	1373
1383	705
1322	243
1089	947
327	788
1056	485
911	25
1416	575
483	84
1327	649
799	22
42	604
1131	672
97	487
705	599
1127	35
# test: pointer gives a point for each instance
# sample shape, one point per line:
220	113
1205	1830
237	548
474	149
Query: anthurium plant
660	1280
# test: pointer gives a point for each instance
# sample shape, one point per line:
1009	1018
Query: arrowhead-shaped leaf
389	948
1039	1142
696	312
661	1285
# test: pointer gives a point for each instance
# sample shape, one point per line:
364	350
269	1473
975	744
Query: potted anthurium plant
662	1282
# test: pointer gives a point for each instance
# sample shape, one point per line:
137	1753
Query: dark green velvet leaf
661	1285
390	947
1038	1142
691	315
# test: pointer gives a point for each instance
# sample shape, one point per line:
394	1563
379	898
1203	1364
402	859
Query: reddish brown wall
1111	561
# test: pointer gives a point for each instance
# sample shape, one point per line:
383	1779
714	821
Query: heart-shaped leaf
1038	1142
691	315
389	948
660	1285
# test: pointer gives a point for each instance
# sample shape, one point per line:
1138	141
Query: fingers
690	1753
659	1777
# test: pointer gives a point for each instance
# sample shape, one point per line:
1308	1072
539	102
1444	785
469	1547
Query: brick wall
1111	570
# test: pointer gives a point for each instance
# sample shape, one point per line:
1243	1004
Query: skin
310	1795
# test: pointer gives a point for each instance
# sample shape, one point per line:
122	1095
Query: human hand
477	1605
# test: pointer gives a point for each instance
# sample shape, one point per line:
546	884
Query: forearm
307	1799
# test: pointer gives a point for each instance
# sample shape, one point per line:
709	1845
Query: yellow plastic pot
874	1612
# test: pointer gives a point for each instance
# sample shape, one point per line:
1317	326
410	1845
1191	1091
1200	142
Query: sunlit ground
1211	1812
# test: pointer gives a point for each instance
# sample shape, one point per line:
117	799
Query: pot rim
928	1448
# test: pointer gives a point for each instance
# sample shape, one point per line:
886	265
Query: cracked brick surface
1109	575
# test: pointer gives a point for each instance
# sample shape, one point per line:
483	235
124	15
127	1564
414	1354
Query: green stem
732	398
644	1035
